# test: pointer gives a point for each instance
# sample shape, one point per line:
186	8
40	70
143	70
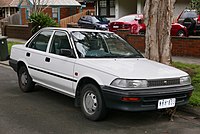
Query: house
114	9
87	5
57	9
8	7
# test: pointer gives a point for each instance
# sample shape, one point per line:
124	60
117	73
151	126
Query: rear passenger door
35	55
60	68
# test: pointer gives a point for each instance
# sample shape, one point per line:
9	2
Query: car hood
177	24
140	68
121	22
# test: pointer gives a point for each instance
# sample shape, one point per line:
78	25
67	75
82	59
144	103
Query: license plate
115	26
166	103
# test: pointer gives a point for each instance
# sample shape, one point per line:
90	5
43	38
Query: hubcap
24	80
90	102
180	34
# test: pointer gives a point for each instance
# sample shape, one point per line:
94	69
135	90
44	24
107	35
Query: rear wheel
24	79
181	33
92	103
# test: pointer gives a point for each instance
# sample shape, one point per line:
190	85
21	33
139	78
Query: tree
195	4
158	19
39	5
41	20
38	18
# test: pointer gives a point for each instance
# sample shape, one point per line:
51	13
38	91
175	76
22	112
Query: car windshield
189	14
101	19
95	20
128	18
102	45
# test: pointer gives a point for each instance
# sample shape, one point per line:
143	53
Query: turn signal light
130	99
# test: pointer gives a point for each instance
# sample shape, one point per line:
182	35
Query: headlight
123	83
185	80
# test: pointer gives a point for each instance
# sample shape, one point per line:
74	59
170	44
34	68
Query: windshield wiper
134	56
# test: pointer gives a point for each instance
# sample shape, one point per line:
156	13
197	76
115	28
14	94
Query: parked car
190	19
93	22
136	25
100	70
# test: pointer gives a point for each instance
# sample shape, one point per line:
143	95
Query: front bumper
148	97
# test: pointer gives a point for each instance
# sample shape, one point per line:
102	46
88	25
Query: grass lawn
10	44
194	71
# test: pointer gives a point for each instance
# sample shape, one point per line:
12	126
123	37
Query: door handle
28	54
47	59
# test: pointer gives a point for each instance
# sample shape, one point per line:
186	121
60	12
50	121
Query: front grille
163	82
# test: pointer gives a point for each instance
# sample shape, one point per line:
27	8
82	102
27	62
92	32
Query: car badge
165	82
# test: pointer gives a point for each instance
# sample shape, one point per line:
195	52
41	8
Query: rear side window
41	41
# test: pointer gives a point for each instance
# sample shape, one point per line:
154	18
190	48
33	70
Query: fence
13	19
74	18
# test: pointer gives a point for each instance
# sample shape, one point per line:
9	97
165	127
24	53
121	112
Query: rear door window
40	42
60	41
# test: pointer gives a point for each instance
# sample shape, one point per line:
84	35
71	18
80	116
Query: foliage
10	44
195	4
194	71
41	20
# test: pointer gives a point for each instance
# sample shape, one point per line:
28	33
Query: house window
11	11
55	12
107	8
28	13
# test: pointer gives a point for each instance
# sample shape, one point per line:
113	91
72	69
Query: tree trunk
158	19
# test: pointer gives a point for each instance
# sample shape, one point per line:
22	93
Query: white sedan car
100	70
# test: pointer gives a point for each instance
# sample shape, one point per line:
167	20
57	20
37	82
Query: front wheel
92	103
24	79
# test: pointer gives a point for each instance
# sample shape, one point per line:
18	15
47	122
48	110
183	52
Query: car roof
75	29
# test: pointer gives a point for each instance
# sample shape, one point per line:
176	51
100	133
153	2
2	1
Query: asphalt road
46	112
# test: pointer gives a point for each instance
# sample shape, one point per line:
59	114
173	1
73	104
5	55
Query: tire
181	33
190	24
92	103
24	79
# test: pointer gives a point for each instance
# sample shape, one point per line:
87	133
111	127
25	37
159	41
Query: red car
191	20
135	24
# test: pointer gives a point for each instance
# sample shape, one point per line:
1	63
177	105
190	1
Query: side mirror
67	53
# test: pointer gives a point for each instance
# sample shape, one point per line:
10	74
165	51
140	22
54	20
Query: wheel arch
19	64
183	30
83	81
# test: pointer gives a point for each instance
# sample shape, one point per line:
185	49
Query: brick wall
23	15
18	31
189	46
186	46
64	12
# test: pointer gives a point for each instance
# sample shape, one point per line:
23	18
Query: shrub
195	4
41	20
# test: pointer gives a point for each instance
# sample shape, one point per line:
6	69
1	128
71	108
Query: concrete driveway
47	112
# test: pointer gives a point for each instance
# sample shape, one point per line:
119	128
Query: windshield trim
106	57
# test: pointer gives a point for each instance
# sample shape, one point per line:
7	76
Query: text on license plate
166	103
115	26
